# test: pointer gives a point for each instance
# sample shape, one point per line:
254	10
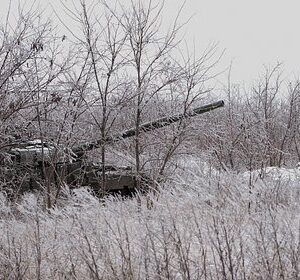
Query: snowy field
203	225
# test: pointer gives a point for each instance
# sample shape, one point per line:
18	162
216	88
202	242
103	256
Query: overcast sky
253	32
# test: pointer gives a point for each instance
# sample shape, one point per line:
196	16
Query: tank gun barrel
165	121
149	126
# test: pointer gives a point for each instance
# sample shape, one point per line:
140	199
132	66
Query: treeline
259	126
115	70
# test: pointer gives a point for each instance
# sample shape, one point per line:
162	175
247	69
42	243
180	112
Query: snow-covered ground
275	174
203	225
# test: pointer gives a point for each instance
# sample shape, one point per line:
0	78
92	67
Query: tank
37	162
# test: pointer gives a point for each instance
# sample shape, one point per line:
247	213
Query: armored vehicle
38	162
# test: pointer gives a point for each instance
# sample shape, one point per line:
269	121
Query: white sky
253	32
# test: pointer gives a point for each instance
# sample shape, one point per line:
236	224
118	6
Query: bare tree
32	62
102	41
134	65
160	71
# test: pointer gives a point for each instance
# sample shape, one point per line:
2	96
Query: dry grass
214	227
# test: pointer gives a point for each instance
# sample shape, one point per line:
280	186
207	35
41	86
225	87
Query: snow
203	222
275	174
